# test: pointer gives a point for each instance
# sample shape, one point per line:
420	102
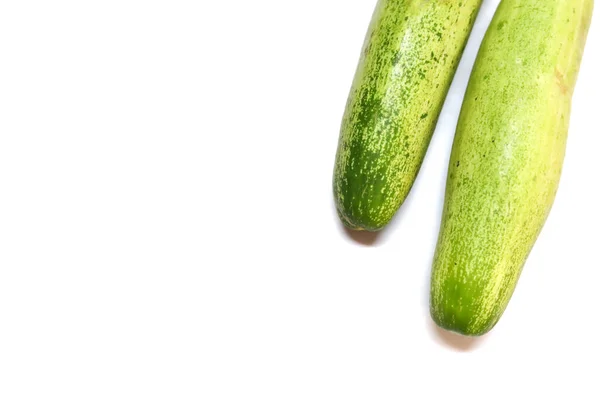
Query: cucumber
506	158
407	63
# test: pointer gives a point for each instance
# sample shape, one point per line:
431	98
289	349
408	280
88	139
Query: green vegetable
506	158
408	61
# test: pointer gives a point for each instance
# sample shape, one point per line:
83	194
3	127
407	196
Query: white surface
167	229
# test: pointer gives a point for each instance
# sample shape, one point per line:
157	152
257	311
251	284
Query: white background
167	229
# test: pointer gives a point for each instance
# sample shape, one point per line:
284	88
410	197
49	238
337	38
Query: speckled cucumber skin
408	61
506	158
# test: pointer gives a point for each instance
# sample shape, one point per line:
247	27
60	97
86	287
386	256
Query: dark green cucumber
507	158
408	61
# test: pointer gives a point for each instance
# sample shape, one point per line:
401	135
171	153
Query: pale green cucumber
507	158
407	63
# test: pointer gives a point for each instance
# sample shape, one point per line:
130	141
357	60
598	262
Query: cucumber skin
407	63
506	159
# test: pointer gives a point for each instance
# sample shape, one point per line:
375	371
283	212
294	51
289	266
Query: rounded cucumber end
360	224
466	324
